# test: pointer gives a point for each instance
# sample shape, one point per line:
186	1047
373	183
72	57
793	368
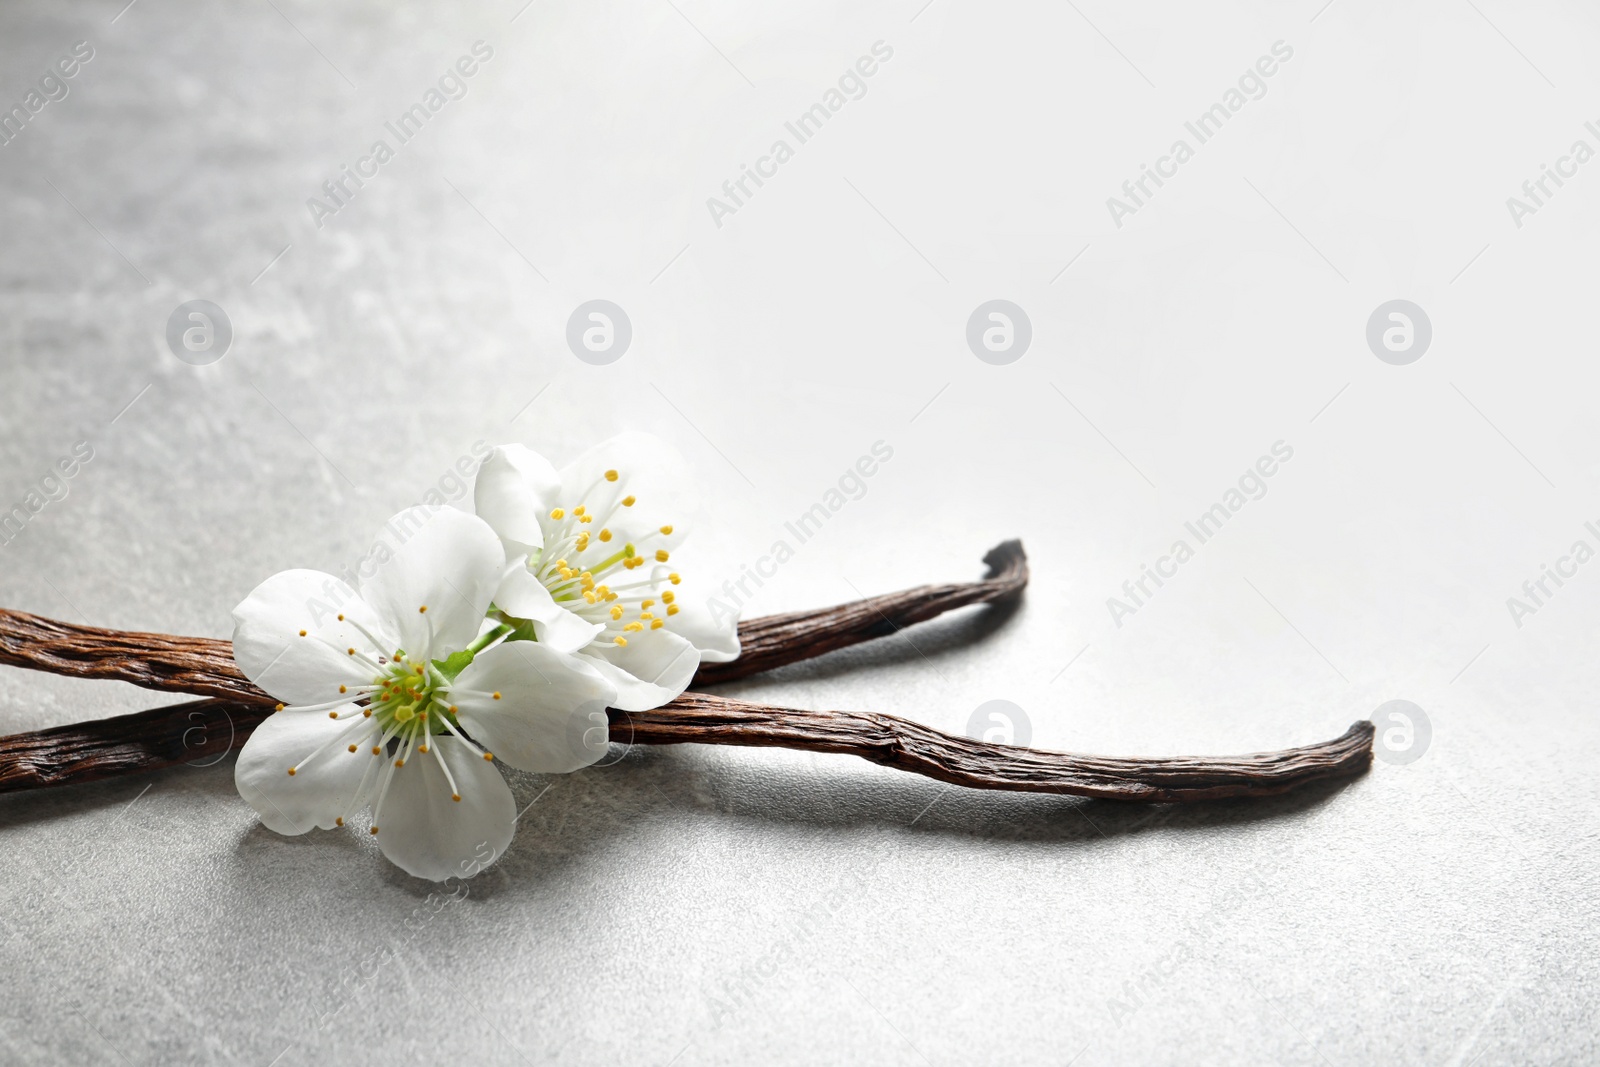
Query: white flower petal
653	668
521	594
716	635
320	791
427	834
649	469
441	559
515	492
550	716
269	649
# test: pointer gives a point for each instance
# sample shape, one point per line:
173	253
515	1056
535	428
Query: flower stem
489	637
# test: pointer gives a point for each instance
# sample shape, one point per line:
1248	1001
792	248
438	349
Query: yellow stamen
672	609
627	501
666	529
620	641
661	555
605	535
558	514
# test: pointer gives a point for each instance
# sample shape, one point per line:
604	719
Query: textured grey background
727	906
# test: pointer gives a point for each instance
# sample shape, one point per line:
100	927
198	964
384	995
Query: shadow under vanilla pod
167	736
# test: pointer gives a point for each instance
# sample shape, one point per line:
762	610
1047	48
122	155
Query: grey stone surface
703	906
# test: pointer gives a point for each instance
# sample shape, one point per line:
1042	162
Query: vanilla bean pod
777	640
203	731
192	732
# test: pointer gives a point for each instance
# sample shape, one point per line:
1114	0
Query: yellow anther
616	611
590	597
374	750
341	689
668	597
302	633
585	518
373	830
399	763
333	714
611	476
453	709
278	708
628	501
339	821
666	529
647	603
497	695
674	578
488	755
657	624
620	641
456	797
422	610
579	510
634	627
672	609
605	535
351	651
366	713
558	514
422	748
291	772
352	748
661	555
646	615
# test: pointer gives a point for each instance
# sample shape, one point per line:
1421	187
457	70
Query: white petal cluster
501	636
